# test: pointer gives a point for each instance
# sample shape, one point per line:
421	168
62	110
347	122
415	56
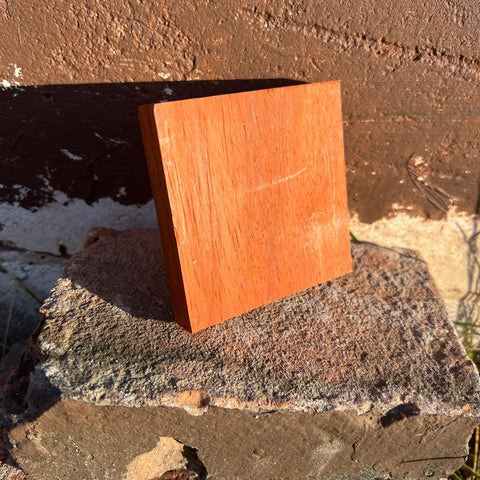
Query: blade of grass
9	318
466	324
27	290
475	450
16	279
471	470
355	238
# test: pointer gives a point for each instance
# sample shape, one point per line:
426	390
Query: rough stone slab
359	378
375	338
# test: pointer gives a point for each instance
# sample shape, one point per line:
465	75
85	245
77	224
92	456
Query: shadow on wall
84	140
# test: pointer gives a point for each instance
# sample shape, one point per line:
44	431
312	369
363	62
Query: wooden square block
251	197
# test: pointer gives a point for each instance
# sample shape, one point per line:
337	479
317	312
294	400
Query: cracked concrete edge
46	381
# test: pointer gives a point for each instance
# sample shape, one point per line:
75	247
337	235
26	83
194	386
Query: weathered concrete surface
451	248
375	338
360	378
74	439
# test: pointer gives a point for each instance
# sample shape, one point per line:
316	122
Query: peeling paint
21	192
64	224
70	155
115	141
17	71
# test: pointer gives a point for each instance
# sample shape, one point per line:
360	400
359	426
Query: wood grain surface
251	197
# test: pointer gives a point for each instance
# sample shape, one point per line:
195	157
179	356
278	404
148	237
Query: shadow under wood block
251	197
361	377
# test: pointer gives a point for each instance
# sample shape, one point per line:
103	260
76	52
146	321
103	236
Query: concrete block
362	377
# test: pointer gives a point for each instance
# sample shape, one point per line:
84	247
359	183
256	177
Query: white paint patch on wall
70	155
15	74
55	224
17	71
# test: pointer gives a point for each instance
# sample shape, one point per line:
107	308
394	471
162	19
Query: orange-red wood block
251	197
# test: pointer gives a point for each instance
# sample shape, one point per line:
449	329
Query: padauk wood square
250	193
